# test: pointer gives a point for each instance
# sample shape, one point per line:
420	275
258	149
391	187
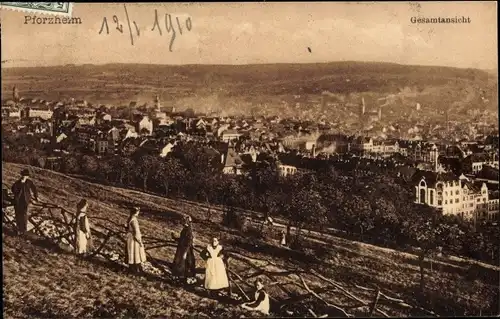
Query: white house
44	114
145	126
232	162
61	137
167	149
230	135
221	129
493	208
310	145
101	146
451	194
130	134
15	114
286	170
362	144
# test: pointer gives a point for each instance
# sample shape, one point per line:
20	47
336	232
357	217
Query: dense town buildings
453	176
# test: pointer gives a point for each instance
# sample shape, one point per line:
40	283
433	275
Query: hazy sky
260	33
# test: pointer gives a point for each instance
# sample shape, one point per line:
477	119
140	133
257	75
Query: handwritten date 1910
170	26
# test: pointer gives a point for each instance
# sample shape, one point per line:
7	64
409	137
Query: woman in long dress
215	272
82	229
184	265
136	254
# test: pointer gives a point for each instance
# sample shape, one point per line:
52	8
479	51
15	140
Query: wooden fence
290	287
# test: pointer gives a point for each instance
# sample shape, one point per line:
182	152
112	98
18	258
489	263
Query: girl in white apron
215	271
82	229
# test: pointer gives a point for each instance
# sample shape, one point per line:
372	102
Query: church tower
363	107
15	94
157	103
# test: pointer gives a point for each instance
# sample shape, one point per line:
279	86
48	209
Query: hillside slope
40	282
451	290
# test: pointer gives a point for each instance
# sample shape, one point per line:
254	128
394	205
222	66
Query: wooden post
229	288
374	305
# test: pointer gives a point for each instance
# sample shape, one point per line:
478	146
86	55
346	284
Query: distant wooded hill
132	81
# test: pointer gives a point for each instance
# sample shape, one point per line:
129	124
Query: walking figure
136	254
184	265
25	192
282	238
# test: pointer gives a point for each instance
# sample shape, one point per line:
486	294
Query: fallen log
374	305
101	247
63	212
337	285
246	283
399	302
55	221
312	313
285	282
241	290
347	293
159	246
300	298
323	300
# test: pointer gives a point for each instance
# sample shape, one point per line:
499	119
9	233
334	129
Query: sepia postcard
250	159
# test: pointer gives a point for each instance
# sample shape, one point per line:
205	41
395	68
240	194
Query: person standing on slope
24	191
215	272
136	253
184	265
82	229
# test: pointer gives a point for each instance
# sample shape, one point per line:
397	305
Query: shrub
234	220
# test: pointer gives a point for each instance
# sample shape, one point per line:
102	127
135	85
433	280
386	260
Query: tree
354	215
429	231
386	219
105	169
90	165
231	194
306	209
124	167
265	180
491	234
40	161
169	171
360	210
147	165
71	165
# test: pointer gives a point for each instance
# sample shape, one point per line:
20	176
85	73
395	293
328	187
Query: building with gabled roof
232	163
230	135
474	163
488	174
451	194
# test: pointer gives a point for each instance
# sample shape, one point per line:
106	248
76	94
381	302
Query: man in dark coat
24	191
184	263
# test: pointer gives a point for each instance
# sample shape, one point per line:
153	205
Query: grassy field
42	281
